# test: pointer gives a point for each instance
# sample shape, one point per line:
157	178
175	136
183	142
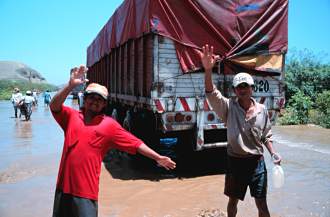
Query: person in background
26	104
248	131
80	99
47	98
89	134
35	96
15	99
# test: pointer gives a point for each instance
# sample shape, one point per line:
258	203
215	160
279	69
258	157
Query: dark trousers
67	205
15	109
246	172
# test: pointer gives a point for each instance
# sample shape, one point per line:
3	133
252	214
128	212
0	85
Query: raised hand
208	58
78	75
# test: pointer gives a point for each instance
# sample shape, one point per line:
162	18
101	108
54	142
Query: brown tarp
249	35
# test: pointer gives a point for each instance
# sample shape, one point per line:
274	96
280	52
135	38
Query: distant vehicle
148	57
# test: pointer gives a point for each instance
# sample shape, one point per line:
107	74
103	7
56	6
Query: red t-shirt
84	148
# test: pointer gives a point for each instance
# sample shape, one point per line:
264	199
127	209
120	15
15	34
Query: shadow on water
189	164
177	146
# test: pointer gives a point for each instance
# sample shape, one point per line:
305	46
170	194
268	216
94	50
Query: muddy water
30	154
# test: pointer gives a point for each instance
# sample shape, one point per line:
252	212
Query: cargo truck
147	55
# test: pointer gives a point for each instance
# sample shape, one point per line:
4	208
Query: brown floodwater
30	154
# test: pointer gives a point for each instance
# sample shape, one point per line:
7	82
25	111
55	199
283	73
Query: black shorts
244	172
67	205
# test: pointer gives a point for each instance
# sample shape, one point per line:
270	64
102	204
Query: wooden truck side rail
145	74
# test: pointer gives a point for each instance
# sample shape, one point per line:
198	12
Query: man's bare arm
163	161
208	60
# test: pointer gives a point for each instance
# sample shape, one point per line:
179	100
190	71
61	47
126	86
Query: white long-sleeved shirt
28	99
16	98
246	137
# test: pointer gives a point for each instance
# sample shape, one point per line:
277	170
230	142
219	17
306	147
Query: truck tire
115	115
127	123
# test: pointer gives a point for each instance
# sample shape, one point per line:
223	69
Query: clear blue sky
52	36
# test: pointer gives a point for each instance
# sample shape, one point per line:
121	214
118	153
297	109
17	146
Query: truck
148	56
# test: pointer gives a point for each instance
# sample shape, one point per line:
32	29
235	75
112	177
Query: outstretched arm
218	102
163	161
77	78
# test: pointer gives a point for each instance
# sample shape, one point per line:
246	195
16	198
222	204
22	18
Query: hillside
15	74
10	70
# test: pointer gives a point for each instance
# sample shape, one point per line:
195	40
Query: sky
52	36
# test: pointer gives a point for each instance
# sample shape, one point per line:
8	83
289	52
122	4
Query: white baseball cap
243	77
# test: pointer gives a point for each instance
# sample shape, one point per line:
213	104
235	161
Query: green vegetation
7	87
308	90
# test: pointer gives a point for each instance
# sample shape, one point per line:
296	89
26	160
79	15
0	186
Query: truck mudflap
201	127
192	113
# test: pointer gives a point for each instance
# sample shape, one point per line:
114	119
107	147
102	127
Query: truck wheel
127	123
115	115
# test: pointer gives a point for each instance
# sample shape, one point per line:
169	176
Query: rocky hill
18	71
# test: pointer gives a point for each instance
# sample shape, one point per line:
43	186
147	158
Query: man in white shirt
35	96
15	99
248	132
26	103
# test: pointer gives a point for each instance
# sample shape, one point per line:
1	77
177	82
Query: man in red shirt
89	134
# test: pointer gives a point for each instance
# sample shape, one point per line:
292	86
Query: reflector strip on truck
206	105
159	106
184	104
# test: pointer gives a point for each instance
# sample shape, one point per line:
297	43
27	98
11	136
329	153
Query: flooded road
30	154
